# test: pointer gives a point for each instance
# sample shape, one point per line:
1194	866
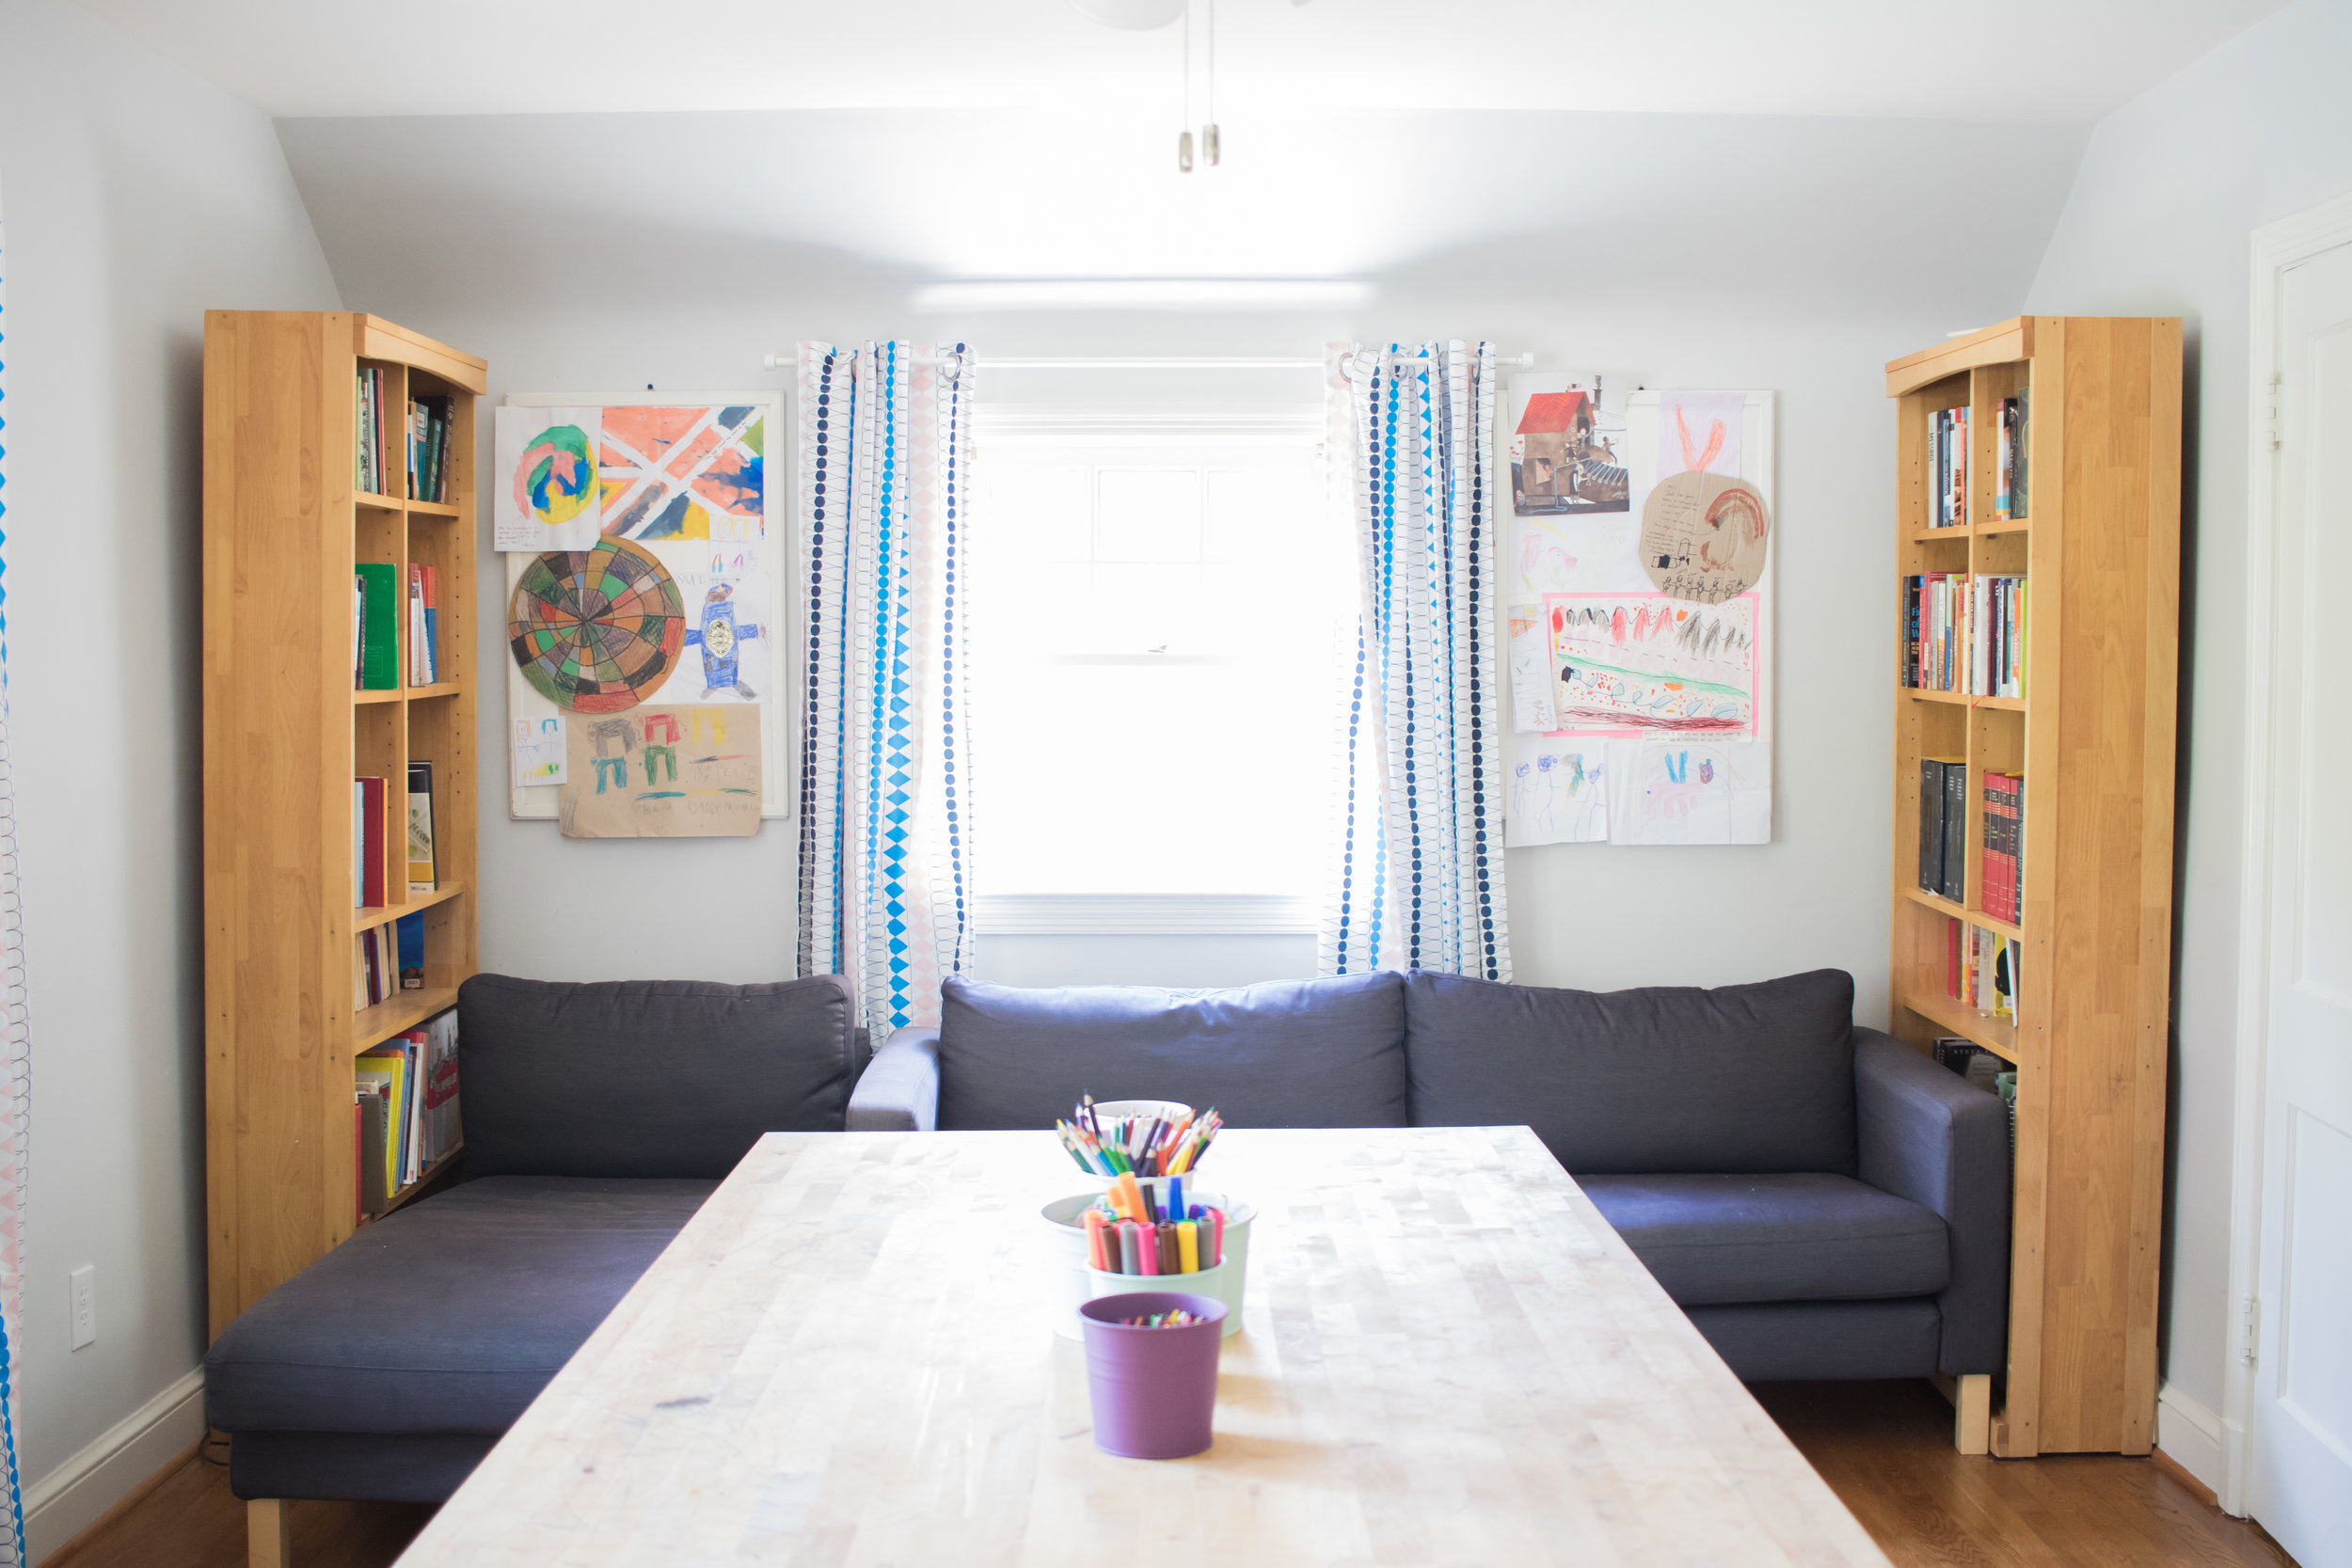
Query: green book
379	624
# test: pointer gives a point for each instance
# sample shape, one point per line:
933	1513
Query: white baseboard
2190	1436
65	1501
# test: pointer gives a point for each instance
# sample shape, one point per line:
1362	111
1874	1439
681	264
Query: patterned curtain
880	561
1418	881
15	1034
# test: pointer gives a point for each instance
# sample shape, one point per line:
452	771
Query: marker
1129	1259
1176	1197
1148	1249
1096	1253
1216	1225
1188	1246
1164	1234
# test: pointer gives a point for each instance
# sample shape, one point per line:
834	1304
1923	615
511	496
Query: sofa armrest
899	1091
1929	1135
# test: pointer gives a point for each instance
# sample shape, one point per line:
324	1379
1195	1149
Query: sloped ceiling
2069	60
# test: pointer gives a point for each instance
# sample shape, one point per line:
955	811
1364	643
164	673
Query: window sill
1144	914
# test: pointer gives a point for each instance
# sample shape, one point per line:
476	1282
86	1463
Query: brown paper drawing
1704	536
662	772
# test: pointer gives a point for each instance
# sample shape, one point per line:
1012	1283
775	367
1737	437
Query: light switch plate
85	1283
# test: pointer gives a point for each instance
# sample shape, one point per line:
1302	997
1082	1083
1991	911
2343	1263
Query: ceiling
2046	60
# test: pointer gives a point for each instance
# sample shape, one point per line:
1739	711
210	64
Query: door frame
2275	247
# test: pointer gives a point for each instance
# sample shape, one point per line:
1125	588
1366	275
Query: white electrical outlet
85	1281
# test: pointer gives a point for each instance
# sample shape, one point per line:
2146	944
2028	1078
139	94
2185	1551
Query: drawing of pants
620	772
665	723
654	755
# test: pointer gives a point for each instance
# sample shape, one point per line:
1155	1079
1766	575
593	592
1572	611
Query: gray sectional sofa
1824	1201
598	1119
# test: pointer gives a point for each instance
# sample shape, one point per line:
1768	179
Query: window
1155	610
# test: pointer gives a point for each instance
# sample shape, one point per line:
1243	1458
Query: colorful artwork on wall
662	772
546	494
684	472
596	630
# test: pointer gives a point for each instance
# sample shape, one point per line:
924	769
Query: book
379	630
2011	500
423	862
2004	841
408	944
375	1110
368	802
419	671
443	1131
431	626
1956	829
1931	825
390	1065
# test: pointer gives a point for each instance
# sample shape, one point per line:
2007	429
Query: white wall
1696	251
137	198
2158	223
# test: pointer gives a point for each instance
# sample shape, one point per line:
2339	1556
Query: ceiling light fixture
1141	16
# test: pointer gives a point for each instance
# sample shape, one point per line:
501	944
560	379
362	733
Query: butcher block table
847	1357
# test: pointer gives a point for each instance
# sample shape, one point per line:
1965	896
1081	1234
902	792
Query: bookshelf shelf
363	918
405	1011
1953	912
1956	1017
2092	741
284	737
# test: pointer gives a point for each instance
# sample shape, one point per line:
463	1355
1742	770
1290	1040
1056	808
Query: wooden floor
1884	1448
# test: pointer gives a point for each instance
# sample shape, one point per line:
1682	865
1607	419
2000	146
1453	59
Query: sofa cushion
1831	1340
1716	1238
655	1078
449	1315
1286	1053
1666	1078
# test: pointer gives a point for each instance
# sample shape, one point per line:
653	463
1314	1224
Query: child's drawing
1558	797
1530	671
1681	790
1630	663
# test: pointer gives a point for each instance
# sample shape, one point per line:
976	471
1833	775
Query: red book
371	830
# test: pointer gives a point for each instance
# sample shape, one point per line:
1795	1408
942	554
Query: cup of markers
1075	1250
1109	1138
1152	1371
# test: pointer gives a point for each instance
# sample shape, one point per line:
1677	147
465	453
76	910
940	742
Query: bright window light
1154	617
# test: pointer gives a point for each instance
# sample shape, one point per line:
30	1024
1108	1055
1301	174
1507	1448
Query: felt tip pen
1164	1234
1188	1246
1148	1248
1130	1261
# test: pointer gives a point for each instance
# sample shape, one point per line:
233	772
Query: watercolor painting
1686	791
1629	663
546	492
1558	796
665	772
684	472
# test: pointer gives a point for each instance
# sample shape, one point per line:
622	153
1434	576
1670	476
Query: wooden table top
1448	1357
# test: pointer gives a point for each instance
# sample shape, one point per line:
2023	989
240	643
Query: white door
2301	1485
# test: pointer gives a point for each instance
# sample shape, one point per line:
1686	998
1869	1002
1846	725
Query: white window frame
1009	425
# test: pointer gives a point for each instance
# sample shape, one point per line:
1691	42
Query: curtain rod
788	361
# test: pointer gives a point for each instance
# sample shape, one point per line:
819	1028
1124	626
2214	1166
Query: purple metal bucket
1154	1390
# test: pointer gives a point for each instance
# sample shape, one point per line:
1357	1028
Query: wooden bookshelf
2093	737
284	735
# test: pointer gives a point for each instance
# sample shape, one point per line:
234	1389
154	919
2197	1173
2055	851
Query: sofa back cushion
669	1078
1285	1053
1738	1079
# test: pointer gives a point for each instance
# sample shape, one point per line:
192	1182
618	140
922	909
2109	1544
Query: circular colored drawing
596	630
556	480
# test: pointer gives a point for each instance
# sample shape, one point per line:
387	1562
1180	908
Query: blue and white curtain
15	1035
1419	878
880	561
